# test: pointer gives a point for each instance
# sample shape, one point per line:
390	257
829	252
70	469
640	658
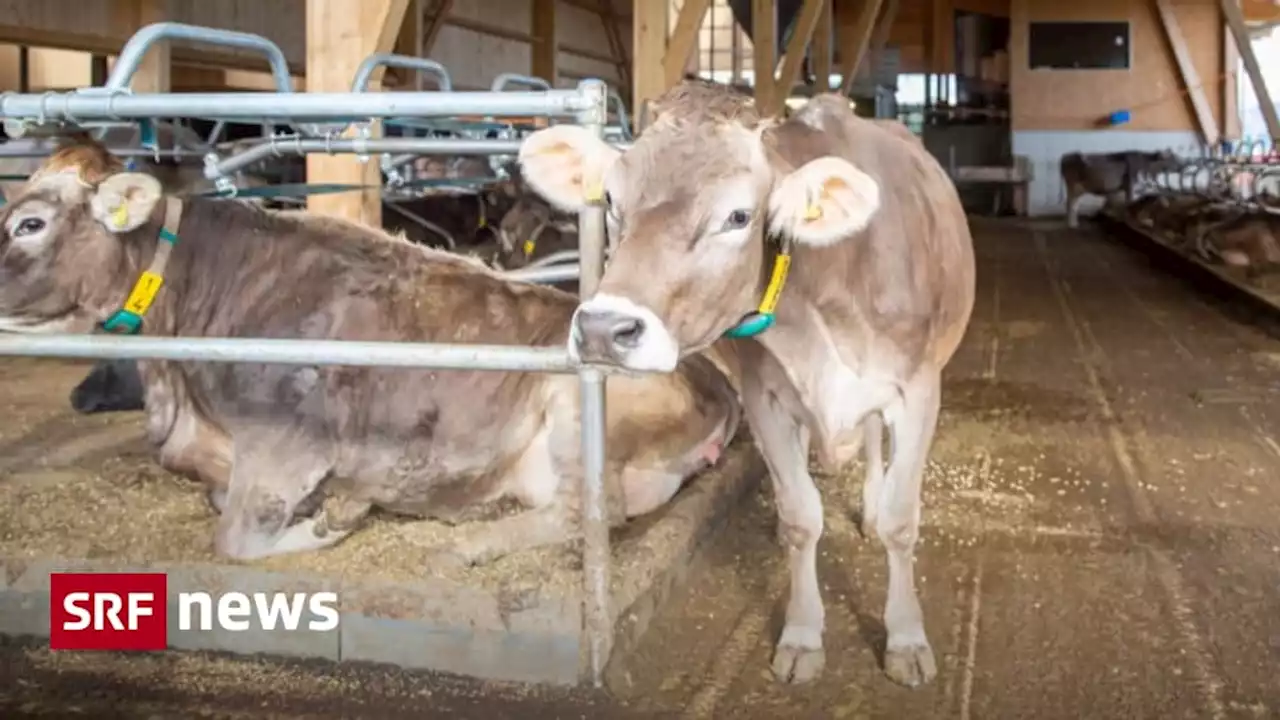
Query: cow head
533	229
688	209
62	240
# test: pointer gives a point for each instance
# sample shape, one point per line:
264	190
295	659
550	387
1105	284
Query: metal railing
587	104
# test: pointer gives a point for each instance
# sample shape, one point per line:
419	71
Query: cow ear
124	201
566	164
823	202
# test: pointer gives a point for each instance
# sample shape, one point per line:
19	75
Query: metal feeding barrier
56	113
1246	174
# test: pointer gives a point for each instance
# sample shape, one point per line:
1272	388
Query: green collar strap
128	319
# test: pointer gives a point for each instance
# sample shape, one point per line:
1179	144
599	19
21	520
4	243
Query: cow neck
762	318
127	320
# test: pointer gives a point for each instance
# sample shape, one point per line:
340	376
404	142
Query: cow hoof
794	665
910	665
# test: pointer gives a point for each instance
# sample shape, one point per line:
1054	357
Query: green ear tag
751	325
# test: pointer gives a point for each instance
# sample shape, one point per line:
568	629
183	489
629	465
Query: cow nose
607	335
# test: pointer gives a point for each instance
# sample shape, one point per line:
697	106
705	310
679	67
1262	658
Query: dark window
1079	45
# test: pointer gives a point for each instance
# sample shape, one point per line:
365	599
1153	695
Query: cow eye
737	220
28	226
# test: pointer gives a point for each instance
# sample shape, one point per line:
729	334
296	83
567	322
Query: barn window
1079	46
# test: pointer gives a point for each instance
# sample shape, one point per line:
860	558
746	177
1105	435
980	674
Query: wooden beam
1231	129
805	24
1231	11
544	56
438	18
682	39
340	34
822	47
764	31
409	42
942	34
880	37
154	72
648	48
622	61
1187	71
860	38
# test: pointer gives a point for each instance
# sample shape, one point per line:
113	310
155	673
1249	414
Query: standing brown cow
880	292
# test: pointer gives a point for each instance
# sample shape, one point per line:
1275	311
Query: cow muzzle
612	330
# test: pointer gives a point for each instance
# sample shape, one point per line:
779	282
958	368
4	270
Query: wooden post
1187	71
688	22
543	53
409	42
859	38
439	15
341	34
154	72
806	23
822	47
764	31
880	36
648	50
1235	21
1231	129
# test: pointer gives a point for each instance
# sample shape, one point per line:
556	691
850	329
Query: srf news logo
130	611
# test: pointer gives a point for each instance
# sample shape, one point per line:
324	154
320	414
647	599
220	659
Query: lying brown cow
710	203
266	437
1110	175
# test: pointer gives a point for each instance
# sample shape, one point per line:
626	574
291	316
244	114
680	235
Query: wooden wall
1151	89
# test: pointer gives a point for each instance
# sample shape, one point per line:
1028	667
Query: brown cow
880	293
267	437
1110	175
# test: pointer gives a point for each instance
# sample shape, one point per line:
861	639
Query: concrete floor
1101	540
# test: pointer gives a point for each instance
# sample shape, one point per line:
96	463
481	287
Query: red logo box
108	611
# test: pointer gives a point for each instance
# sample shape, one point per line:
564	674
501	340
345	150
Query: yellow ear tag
528	248
812	212
144	293
594	192
120	216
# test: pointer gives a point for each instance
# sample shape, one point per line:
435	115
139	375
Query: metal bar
131	55
365	72
413	146
122	152
73	106
594	518
505	79
442	356
545	274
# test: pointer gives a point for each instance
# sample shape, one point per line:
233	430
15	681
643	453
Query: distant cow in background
1109	174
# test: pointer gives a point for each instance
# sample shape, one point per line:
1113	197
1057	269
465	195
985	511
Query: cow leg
483	542
873	429
908	658
1073	206
271	473
783	440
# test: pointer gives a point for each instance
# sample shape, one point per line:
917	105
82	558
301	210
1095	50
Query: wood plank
1231	129
942	34
1231	11
860	39
822	47
1187	71
806	23
544	55
340	34
764	28
409	42
613	33
682	39
648	46
154	72
880	37
439	15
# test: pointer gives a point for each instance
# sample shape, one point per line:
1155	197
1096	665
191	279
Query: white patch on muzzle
655	351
